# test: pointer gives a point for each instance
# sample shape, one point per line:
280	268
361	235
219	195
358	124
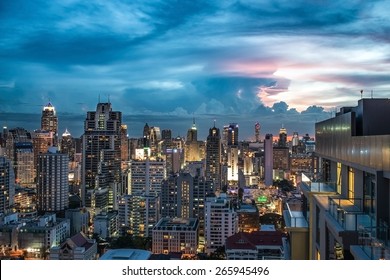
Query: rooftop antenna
372	94
108	98
99	97
361	94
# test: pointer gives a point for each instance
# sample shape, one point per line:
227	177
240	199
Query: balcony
294	218
375	242
348	213
317	185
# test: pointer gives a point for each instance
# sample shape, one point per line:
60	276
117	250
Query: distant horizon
271	124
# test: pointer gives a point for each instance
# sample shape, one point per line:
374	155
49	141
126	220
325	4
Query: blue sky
278	62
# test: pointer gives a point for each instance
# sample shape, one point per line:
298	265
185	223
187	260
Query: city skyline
278	63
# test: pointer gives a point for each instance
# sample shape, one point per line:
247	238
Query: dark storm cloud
244	61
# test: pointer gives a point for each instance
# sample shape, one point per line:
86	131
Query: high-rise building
68	145
124	145
268	160
24	164
7	187
101	164
177	196
42	141
145	176
52	183
346	207
257	132
220	222
194	149
49	121
138	214
213	157
282	137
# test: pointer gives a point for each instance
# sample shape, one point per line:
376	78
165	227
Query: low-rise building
78	247
176	235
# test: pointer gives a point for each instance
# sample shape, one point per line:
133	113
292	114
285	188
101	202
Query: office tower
52	182
173	235
213	157
232	137
232	155
138	214
257	132
7	187
101	164
68	145
282	142
124	145
155	139
42	141
220	222
49	121
268	160
145	176
166	137
146	136
174	160
24	164
194	149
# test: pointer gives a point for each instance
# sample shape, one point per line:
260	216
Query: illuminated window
338	177
351	183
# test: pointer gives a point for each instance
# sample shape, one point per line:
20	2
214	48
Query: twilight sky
279	62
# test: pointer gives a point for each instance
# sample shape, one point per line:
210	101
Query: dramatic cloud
276	62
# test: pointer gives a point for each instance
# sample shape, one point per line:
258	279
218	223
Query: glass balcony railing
375	242
348	213
317	185
294	219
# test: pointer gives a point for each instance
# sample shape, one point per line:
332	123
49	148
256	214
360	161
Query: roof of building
244	240
126	254
81	240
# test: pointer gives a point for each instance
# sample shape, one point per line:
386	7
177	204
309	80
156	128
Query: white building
220	222
146	176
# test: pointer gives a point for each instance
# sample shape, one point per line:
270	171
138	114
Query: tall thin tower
49	121
213	157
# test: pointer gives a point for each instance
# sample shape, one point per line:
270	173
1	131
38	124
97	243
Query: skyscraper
101	164
232	155
67	145
42	141
257	132
282	137
52	181
268	158
49	120
7	187
194	149
213	157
